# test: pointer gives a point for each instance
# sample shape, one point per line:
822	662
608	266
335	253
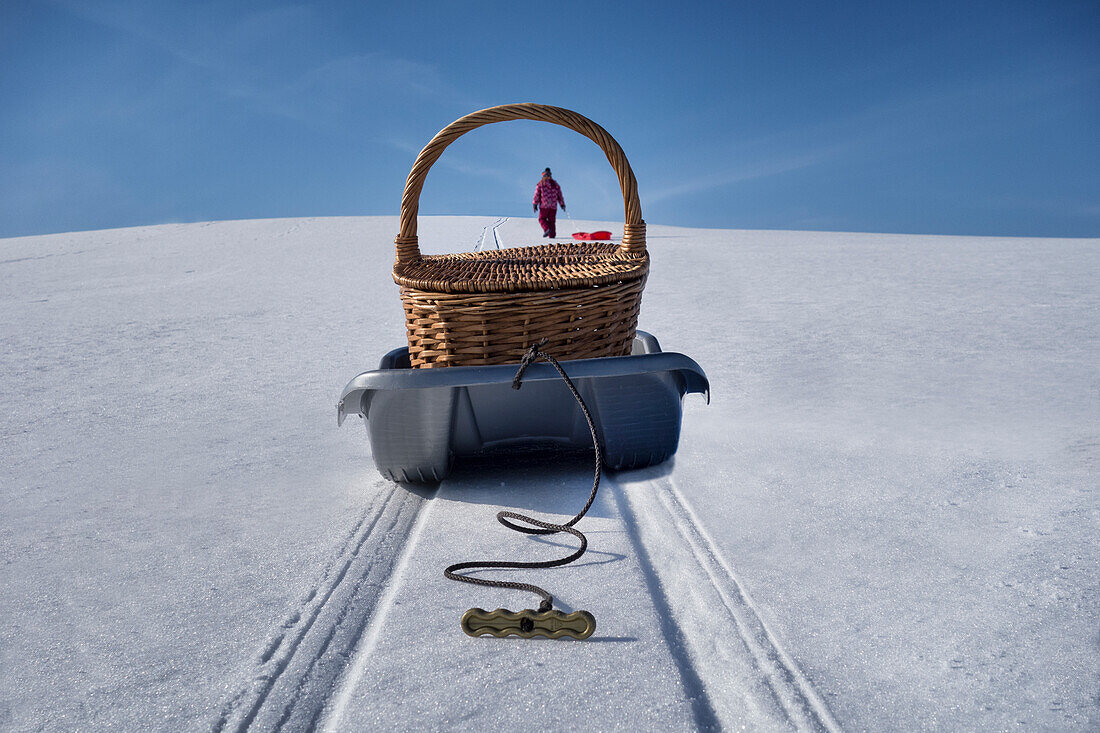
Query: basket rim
496	272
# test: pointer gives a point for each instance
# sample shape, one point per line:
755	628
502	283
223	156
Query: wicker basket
477	308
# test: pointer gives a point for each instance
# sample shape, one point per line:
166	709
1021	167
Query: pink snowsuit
547	197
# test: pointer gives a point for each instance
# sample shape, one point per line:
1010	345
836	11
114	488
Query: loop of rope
538	526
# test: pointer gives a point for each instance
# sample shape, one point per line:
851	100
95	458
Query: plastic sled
420	420
600	236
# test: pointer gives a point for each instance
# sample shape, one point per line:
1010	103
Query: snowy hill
885	519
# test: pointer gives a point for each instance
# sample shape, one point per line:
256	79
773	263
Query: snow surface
885	519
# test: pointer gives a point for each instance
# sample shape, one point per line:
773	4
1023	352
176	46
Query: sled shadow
538	484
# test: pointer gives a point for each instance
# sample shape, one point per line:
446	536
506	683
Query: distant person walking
547	197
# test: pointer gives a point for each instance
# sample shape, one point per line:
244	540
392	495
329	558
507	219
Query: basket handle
633	242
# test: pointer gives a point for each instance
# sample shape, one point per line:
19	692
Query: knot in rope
528	359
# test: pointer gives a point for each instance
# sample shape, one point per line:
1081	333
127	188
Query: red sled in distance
599	236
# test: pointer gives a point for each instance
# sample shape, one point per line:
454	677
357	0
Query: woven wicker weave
477	308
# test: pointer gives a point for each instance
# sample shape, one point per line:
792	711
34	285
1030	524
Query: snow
886	518
490	680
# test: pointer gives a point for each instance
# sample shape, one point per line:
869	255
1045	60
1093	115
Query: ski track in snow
750	680
301	659
351	679
742	681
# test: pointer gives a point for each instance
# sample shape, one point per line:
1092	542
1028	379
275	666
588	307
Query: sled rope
537	526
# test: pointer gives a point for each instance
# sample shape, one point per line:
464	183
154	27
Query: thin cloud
749	172
134	20
318	91
920	120
323	92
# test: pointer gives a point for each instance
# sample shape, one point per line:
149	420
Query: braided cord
538	526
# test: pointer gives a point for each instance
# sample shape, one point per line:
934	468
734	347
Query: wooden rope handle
408	249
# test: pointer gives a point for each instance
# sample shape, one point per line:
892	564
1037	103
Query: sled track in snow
301	659
751	682
731	664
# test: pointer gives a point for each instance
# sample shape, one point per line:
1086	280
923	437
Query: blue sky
932	117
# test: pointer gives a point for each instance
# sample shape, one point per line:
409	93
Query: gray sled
420	420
